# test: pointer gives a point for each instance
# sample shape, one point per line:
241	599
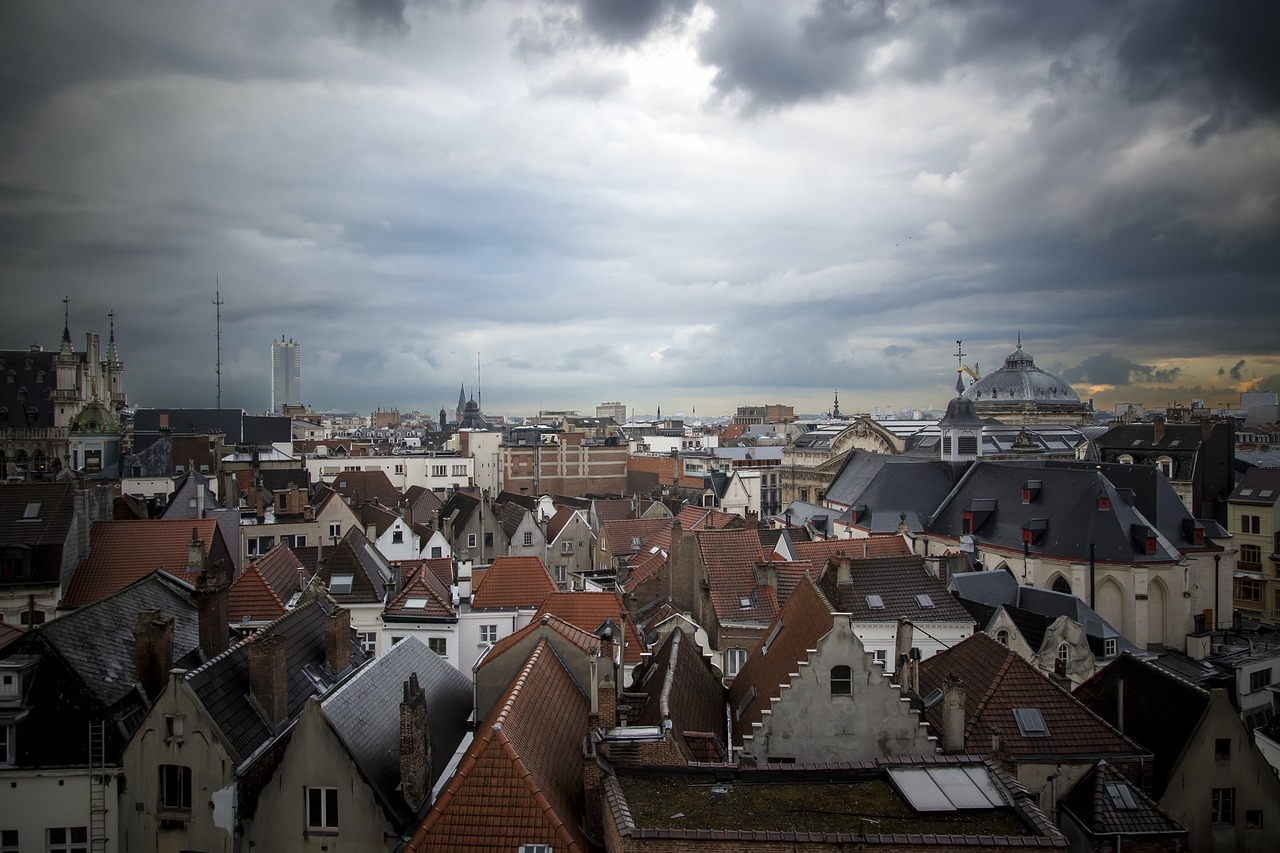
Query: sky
681	205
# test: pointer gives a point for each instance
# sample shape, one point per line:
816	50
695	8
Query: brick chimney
415	745
953	714
337	640
195	553
1157	429
152	651
268	677
211	609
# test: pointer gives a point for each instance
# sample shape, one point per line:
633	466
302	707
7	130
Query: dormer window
1033	530
1144	538
341	584
1030	490
1104	503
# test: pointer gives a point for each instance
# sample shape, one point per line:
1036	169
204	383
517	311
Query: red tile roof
121	552
363	486
558	521
996	682
589	610
621	535
512	582
583	639
804	620
704	518
612	509
251	599
283	572
731	558
520	781
422	598
875	546
442	568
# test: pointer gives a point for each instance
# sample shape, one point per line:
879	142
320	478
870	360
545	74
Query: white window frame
443	642
174	779
74	839
488	634
321	805
368	642
471	540
734	659
335	530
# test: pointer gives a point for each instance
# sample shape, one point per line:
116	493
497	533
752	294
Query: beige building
1254	521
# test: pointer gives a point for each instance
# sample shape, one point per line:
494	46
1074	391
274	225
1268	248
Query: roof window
1120	795
340	584
875	602
924	600
31	512
415	603
1031	722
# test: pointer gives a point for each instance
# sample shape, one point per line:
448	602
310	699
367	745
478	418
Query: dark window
1222	748
67	839
1061	584
1259	679
438	645
1253	819
175	788
322	809
1223	805
841	681
397	537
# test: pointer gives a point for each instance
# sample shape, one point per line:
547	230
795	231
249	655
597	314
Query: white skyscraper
286	374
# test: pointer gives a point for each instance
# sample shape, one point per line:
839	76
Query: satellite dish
966	544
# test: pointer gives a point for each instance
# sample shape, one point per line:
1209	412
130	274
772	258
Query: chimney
844	569
1206	429
268	677
152	651
211	610
1157	430
607	690
337	640
953	715
195	553
371	531
415	745
902	651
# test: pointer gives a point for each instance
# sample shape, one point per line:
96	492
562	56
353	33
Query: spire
66	325
960	367
112	355
835	407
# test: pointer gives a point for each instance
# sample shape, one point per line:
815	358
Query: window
1064	654
1259	679
488	540
488	633
437	552
400	468
1248	589
439	470
1002	636
1165	464
471	540
1252	819
459	470
8	841
33	617
880	656
67	839
528	537
7	746
1222	805
8	685
1109	647
175	788
733	661
174	728
561	573
322	809
1251	558
438	645
368	642
335	530
1250	523
841	681
1222	748
340	584
535	848
397	537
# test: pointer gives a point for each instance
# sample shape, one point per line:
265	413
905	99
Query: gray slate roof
889	485
898	581
364	711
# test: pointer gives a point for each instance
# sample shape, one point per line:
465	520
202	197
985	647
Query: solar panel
942	789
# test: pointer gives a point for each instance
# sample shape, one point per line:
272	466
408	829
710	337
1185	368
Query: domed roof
95	419
1020	381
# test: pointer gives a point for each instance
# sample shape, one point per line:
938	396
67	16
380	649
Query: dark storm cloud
372	17
564	24
1235	371
1111	369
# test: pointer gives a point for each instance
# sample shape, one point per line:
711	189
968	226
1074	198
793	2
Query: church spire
66	325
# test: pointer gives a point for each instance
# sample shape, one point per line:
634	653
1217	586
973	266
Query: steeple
835	407
66	326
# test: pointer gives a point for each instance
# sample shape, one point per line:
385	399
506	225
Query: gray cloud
372	17
1111	369
1235	371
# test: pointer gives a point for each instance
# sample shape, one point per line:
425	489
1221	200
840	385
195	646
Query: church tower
113	370
961	428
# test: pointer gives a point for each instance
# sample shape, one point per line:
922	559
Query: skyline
667	203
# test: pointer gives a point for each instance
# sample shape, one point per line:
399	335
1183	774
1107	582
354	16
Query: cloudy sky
692	205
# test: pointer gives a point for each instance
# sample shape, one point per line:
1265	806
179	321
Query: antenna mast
218	303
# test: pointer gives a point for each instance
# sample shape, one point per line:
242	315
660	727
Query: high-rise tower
286	374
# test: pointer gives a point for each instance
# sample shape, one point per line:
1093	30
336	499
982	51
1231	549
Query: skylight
415	603
1244	493
1120	795
1031	722
1265	493
744	602
341	583
875	602
31	512
924	600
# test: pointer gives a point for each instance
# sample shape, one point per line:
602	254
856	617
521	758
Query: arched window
1064	659
1125	459
841	681
1003	637
1060	584
1165	464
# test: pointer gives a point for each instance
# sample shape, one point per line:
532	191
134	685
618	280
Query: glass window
438	645
322	809
841	681
67	839
8	841
175	788
528	537
7	746
1259	679
368	642
488	633
471	540
335	530
1222	805
1002	636
734	660
1222	748
397	537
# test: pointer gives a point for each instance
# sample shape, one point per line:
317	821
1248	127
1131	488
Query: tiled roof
44	530
369	570
513	582
1161	711
683	688
579	637
790	575
590	610
222	684
900	582
615	509
121	552
557	522
1259	486
520	781
421	598
377	515
459	507
804	620
705	518
363	486
364	711
873	546
643	566
731	558
423	503
998	681
283	572
251	599
9	633
1106	804
442	568
127	507
512	515
622	534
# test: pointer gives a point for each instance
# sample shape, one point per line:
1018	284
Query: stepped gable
998	681
513	582
520	781
122	552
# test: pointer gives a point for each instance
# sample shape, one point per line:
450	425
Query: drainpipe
1217	559
1093	573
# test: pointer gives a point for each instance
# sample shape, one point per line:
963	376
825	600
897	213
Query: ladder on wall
97	786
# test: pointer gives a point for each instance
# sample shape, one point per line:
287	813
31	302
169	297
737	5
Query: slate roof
804	620
520	781
360	487
1140	438
364	711
370	572
730	558
512	515
513	582
251	598
889	485
458	508
899	581
590	610
682	687
121	552
1105	803
222	684
1161	711
45	532
376	514
998	681
1258	487
25	393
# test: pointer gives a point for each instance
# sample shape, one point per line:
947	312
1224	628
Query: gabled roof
36	514
513	582
421	598
283	572
443	569
694	517
377	515
622	535
356	557
1140	437
121	552
423	503
1160	711
873	546
520	781
364	711
222	685
363	486
1259	487
579	637
251	598
904	586
731	558
999	685
558	522
683	688
458	508
611	509
1106	803
512	516
590	611
128	507
805	619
